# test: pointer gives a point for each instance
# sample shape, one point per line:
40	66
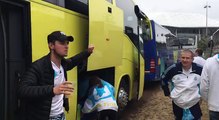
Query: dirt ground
154	106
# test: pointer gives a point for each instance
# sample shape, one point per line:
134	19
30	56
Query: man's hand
90	48
64	88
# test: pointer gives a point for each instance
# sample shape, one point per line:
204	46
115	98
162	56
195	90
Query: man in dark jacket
43	86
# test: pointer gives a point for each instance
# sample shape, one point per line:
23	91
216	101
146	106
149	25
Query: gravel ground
154	106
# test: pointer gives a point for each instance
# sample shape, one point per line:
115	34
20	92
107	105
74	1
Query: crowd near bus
50	49
87	59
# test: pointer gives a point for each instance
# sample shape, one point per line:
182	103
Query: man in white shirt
198	58
209	86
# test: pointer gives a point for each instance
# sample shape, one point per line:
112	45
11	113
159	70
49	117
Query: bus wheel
122	98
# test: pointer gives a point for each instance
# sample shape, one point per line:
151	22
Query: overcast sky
180	6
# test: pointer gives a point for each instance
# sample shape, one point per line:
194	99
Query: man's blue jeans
58	117
213	115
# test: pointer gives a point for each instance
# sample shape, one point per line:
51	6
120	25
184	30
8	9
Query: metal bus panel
105	33
141	82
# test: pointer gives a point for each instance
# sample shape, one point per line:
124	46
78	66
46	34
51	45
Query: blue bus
157	56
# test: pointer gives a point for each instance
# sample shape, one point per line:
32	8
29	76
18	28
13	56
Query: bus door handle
109	10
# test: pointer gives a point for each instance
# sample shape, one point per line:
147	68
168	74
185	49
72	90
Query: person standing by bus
185	78
209	86
101	100
198	58
43	86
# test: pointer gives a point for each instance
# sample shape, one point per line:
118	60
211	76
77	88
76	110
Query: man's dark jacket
36	87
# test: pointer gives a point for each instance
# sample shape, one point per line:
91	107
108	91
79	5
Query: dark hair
95	81
199	51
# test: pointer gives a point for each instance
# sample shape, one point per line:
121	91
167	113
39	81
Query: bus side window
131	35
80	6
110	1
57	2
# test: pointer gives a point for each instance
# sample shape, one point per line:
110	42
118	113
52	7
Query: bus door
13	55
105	32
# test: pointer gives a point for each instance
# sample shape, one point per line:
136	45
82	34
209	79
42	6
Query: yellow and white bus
115	27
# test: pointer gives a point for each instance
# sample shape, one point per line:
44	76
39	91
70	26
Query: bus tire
122	98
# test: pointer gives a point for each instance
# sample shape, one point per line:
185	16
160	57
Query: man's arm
165	77
204	85
75	60
164	85
29	87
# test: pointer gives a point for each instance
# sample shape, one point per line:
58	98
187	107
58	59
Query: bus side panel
128	67
64	20
105	32
141	84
